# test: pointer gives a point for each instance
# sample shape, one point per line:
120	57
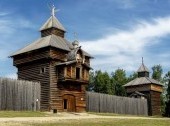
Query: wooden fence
19	95
97	102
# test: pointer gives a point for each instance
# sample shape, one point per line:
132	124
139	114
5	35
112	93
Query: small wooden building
145	87
60	66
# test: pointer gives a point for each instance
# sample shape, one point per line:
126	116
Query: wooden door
69	103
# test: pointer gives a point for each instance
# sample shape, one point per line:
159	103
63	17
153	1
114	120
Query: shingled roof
51	40
143	68
142	81
52	22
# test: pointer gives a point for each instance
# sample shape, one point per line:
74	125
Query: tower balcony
73	74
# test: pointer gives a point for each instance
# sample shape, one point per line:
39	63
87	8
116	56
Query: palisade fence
97	102
19	95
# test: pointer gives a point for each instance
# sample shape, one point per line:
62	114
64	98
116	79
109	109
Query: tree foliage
103	82
167	96
119	79
157	72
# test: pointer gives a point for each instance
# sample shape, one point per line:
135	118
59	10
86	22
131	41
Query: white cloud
124	49
4	13
10	28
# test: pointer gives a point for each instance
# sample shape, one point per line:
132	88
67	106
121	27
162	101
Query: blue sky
116	32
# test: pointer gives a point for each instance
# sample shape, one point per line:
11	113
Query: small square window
42	70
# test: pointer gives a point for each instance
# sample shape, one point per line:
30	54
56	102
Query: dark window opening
60	71
65	103
77	73
42	70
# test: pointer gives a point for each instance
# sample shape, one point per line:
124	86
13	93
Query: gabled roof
143	68
142	81
51	40
52	22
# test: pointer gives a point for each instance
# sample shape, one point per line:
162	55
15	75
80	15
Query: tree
157	72
167	99
119	79
90	86
102	82
132	76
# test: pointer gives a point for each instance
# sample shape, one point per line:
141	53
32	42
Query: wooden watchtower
60	66
146	88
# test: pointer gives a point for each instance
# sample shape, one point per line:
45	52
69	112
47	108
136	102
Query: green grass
115	114
21	114
96	122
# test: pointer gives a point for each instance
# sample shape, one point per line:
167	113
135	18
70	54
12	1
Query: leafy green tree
132	76
90	86
102	82
157	72
167	102
119	78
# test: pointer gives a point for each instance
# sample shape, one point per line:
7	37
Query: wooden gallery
61	67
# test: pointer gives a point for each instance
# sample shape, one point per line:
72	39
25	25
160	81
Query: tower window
77	73
42	70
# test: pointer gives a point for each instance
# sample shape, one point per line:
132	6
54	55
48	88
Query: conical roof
52	22
143	68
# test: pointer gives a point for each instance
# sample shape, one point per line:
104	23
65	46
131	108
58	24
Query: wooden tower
61	67
146	88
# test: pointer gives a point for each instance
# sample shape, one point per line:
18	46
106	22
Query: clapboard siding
97	102
31	72
19	95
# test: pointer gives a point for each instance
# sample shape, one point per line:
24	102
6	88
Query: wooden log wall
97	102
32	72
29	57
58	54
155	103
19	95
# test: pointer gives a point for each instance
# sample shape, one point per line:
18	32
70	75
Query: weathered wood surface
31	72
97	102
19	95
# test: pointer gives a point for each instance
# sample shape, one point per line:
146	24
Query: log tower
147	88
60	66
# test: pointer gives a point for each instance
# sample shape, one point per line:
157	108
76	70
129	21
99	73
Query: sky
117	33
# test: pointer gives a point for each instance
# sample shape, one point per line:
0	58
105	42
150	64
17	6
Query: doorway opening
65	103
69	103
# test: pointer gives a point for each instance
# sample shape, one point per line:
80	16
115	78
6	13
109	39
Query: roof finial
53	10
142	60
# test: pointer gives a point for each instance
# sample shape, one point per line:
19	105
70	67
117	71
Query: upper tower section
52	26
143	71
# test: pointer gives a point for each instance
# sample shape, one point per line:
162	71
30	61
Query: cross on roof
53	10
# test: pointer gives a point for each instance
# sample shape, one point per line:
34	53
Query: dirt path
67	116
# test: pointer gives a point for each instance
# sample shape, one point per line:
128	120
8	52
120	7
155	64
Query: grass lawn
21	114
96	122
